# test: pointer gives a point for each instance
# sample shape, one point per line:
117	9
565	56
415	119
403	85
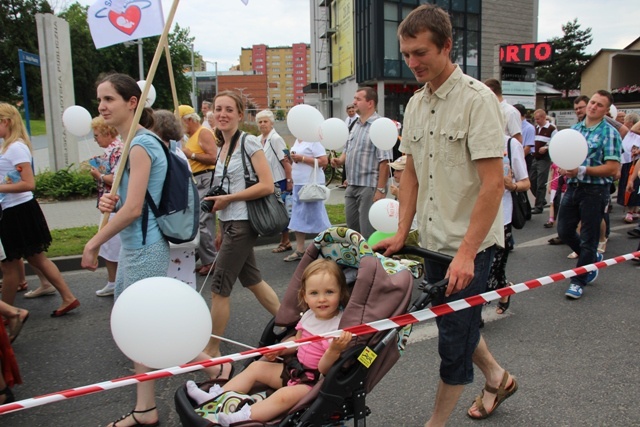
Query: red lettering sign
526	53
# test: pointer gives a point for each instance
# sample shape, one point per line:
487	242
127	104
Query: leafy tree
18	31
569	59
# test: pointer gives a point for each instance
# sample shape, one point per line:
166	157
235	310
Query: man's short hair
632	118
521	108
539	111
350	106
427	17
494	85
369	94
584	98
607	95
266	114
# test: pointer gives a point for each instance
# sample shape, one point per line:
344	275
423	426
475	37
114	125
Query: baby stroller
381	288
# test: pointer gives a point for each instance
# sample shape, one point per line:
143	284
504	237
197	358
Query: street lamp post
215	64
194	95
140	56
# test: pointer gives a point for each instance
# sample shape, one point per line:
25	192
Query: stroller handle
426	254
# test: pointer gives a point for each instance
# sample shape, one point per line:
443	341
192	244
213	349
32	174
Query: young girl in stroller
324	293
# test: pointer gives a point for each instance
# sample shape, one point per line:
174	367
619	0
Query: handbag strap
247	175
509	157
314	173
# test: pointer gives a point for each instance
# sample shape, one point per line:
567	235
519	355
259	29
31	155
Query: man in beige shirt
454	179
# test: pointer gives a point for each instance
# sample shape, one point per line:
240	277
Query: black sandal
8	395
504	306
137	424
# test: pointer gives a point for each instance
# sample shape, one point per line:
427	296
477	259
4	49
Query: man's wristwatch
193	156
289	180
382	190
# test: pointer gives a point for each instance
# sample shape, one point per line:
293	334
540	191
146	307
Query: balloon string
239	344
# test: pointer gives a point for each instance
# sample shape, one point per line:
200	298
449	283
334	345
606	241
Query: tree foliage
570	58
18	31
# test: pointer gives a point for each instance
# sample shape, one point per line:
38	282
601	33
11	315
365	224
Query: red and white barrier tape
366	328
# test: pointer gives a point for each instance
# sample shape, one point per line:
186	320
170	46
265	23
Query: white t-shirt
512	119
629	141
17	152
519	172
301	172
274	151
234	182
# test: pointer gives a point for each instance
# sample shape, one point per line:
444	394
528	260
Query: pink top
555	174
309	355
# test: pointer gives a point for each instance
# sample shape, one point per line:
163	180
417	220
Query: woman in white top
235	238
306	217
516	179
23	230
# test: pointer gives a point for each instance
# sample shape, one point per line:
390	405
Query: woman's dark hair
127	88
167	126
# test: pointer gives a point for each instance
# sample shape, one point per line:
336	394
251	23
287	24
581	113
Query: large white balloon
613	110
383	133
334	133
151	97
160	322
77	120
304	122
568	149
384	215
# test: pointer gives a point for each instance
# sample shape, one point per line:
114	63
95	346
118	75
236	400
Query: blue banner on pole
28	58
33	59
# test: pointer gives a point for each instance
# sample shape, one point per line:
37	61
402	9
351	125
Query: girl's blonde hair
326	266
100	126
16	128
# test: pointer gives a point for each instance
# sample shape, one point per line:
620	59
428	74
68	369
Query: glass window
473	22
472	49
390	11
443	4
457	5
457	51
391	44
473	6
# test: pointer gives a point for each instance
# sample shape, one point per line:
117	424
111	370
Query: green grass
71	241
38	127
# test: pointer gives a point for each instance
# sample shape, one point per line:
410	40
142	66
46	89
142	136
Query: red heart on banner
128	21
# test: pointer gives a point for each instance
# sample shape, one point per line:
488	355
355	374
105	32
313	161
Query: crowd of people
494	151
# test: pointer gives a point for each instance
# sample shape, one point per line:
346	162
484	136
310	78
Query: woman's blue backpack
179	208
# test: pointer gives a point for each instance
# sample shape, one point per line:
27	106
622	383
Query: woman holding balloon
23	230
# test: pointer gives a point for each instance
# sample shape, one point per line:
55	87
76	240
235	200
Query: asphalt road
576	361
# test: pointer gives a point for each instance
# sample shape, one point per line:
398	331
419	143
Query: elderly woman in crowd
201	151
103	169
306	217
277	155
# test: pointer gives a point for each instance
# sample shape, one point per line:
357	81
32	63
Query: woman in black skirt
23	228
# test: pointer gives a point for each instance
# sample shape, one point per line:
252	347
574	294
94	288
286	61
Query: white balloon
384	215
614	111
151	97
568	149
304	122
77	120
383	133
334	133
160	322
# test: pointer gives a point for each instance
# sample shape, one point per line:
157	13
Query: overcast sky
222	27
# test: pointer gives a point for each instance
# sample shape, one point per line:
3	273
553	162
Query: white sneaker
107	291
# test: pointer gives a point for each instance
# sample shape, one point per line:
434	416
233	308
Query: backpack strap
147	196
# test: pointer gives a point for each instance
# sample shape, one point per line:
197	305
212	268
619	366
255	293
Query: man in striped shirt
587	193
368	165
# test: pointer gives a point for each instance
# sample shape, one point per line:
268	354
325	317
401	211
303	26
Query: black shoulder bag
267	215
520	202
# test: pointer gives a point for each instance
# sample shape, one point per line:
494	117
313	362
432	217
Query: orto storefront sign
526	53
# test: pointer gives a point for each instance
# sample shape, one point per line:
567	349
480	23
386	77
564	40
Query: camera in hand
207	205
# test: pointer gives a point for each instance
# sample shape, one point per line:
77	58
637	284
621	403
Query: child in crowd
553	188
324	293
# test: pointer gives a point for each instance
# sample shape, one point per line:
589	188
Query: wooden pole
172	80
141	103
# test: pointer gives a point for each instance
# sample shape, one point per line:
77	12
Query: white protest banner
117	21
